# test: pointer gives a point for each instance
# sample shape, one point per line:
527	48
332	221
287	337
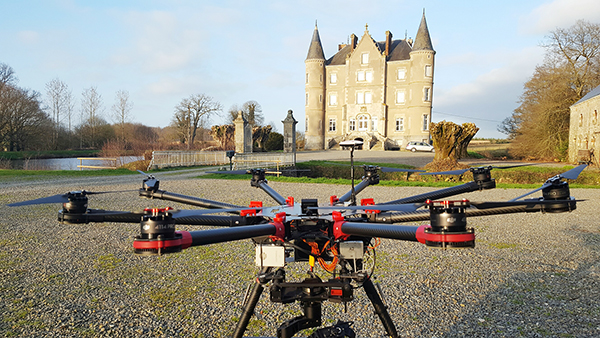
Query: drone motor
448	227
158	235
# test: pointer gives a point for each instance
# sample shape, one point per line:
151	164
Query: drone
339	236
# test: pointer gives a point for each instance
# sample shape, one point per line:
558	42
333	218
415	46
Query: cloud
559	13
28	37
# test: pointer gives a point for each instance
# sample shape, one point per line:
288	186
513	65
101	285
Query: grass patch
23	155
6	174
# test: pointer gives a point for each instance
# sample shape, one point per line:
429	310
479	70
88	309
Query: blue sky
235	51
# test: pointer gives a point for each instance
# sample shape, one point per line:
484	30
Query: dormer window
364	58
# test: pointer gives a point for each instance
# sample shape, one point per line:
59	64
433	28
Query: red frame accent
367	201
422	236
336	292
185	242
290	201
278	223
337	226
251	212
333	199
256	204
372	211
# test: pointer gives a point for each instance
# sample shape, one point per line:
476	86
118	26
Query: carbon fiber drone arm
357	189
439	194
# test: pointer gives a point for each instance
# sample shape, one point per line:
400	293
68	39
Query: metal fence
166	159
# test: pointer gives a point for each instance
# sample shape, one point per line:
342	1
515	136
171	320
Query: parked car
419	146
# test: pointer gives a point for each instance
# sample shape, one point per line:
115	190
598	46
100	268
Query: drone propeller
62	198
230	172
512	203
462	171
383	169
556	180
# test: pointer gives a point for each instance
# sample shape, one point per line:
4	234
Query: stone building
584	132
377	92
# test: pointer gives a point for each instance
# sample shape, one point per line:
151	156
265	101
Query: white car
419	146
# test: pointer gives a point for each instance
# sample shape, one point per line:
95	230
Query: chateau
376	92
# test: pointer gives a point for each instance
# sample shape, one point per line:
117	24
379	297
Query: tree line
54	121
539	127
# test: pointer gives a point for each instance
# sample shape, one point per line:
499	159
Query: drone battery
270	255
351	250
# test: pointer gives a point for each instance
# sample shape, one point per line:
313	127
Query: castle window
425	122
426	94
400	96
400	124
333	99
352	125
401	74
320	98
364	97
333	78
362	122
331	124
360	76
374	123
369	76
595	116
428	71
306	77
306	125
580	120
364	58
321	78
306	100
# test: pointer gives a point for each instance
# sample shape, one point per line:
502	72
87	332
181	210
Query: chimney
353	42
341	46
388	42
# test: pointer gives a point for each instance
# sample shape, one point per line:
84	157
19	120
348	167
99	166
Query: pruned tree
192	113
260	135
122	110
251	110
224	134
450	142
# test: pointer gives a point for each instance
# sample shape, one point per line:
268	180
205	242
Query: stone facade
377	92
243	135
584	132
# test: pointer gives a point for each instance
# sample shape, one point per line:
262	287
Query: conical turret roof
423	40
315	51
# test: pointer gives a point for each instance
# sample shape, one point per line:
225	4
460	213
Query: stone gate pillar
289	134
243	135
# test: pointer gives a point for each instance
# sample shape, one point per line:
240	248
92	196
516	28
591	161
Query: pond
69	163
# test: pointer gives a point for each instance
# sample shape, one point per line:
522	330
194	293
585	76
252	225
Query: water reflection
70	163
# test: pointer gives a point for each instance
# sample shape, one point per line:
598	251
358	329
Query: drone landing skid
311	292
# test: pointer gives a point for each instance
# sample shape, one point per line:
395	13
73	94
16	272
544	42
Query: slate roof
594	92
315	51
423	40
399	50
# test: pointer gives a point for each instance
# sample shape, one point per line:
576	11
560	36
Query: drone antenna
352	144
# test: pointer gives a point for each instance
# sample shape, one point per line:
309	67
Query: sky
162	52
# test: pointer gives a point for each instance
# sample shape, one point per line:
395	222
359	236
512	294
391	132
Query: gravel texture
531	275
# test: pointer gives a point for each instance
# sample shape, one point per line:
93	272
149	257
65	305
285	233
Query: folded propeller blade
62	198
230	172
569	174
451	172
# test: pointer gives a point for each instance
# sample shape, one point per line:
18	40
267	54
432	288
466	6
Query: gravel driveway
531	275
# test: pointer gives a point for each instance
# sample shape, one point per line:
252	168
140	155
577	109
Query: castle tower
422	58
315	94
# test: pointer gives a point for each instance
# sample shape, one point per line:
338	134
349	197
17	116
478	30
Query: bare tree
192	113
251	110
122	110
91	111
56	99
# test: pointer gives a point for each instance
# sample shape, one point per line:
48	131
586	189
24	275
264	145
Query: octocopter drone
340	236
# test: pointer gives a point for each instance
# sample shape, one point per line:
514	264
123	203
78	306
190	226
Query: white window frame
369	76
374	121
428	70
333	78
368	97
401	74
332	124
363	123
352	125
425	122
426	94
400	97
364	58
360	76
399	124
360	97
306	100
333	99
